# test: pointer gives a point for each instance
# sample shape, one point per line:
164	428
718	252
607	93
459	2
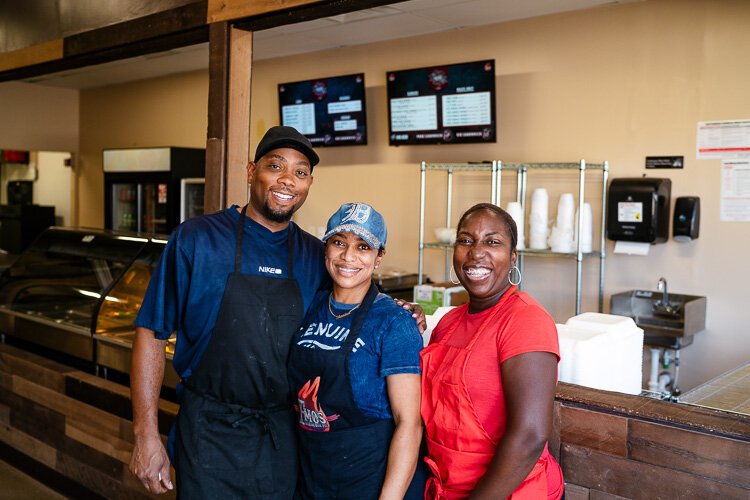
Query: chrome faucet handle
661	286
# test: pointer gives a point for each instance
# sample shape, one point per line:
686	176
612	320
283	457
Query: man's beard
277	216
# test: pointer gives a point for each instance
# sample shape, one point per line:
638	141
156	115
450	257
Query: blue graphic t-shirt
187	286
389	343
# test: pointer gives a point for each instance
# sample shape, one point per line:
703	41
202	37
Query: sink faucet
663	306
661	286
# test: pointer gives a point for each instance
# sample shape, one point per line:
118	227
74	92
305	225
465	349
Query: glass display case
114	332
77	291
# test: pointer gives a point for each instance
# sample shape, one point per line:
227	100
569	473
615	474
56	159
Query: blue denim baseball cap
360	219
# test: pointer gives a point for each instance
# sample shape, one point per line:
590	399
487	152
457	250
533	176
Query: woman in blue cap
355	369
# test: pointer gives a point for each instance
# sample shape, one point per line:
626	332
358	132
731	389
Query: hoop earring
450	276
510	274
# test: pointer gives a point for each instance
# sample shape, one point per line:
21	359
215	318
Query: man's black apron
347	461
235	429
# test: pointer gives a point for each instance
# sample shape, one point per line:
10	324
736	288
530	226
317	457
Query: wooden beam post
227	146
238	134
218	89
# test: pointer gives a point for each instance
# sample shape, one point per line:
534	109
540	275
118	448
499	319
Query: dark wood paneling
172	21
108	396
6	380
600	495
84	473
4	414
150	46
630	479
599	431
554	440
36	420
74	439
86	454
575	492
218	103
304	13
684	416
29	366
722	459
45	474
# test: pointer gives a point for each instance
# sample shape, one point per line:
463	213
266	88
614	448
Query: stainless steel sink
669	321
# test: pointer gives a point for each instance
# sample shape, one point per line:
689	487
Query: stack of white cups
515	211
587	237
538	220
562	237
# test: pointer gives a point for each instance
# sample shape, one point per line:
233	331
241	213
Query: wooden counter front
636	447
71	423
609	444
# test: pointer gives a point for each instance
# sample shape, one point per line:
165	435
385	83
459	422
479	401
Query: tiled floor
16	486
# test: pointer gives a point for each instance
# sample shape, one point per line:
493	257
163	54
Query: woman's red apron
460	449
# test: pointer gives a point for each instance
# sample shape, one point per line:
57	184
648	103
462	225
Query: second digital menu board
442	104
328	111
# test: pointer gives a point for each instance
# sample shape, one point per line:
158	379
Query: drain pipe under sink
653	380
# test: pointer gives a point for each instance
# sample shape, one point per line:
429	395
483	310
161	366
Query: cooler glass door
154	208
125	206
191	199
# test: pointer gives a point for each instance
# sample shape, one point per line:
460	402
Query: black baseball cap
282	136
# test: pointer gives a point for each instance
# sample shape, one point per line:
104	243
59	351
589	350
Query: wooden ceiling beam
29	56
170	29
231	10
305	11
158	32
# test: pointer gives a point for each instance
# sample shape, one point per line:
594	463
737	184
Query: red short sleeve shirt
522	325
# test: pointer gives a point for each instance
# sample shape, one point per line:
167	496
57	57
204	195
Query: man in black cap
232	288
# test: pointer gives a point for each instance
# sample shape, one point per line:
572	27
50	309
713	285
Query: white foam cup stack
538	219
565	211
562	236
515	210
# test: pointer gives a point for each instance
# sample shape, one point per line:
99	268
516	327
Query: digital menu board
442	104
328	111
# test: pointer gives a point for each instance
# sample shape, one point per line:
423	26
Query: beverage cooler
152	190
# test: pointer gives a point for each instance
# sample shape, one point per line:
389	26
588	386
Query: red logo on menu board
438	78
320	89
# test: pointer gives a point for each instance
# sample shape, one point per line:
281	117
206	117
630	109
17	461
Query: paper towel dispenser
638	209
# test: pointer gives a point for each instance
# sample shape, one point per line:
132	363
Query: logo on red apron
311	416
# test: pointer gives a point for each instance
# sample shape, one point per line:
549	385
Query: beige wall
170	111
616	83
54	185
38	118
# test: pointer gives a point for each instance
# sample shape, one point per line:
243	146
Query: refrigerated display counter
78	291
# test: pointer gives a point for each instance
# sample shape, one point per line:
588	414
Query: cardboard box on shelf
434	295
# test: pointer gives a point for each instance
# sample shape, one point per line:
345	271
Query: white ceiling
415	17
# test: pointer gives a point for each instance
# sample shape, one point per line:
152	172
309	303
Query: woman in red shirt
489	376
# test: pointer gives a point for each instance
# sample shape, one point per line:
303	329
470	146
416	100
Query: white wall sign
735	191
723	139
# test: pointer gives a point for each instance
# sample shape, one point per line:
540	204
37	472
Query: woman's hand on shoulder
416	312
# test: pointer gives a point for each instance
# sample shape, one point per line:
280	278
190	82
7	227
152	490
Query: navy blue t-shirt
388	343
187	287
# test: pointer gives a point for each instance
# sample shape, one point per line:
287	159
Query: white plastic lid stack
432	321
602	351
